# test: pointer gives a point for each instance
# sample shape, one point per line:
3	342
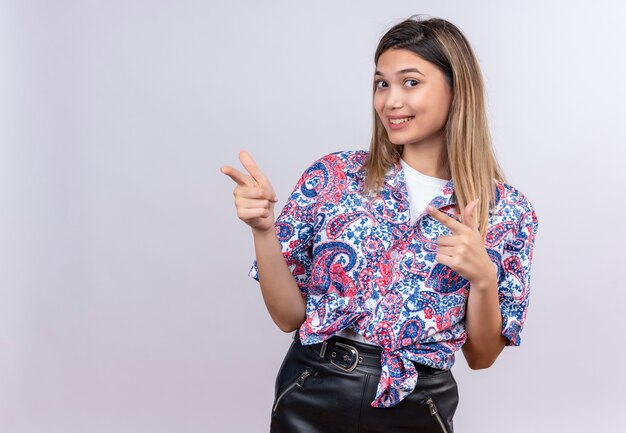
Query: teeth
399	121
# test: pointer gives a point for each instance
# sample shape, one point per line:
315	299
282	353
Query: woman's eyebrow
402	71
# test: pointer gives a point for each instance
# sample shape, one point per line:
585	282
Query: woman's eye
381	83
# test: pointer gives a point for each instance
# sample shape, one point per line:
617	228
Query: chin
395	140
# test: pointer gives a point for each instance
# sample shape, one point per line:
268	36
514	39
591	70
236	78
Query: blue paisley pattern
359	262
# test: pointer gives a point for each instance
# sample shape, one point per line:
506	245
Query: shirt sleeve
514	280
295	227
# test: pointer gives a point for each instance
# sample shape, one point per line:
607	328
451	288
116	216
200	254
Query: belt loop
323	349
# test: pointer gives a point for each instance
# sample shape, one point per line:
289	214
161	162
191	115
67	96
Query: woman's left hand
463	251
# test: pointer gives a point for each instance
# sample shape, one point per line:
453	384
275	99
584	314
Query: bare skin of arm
465	253
280	291
483	323
254	200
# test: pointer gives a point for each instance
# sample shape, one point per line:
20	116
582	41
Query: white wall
125	304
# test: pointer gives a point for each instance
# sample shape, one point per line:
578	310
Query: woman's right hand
254	194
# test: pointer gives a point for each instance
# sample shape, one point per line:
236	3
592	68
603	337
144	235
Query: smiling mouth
399	121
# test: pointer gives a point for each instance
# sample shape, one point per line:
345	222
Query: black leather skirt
328	387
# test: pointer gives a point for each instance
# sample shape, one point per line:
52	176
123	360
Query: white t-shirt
422	189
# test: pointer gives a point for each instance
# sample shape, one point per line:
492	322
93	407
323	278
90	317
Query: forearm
280	291
483	324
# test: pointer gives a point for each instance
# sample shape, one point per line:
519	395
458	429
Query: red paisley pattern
359	262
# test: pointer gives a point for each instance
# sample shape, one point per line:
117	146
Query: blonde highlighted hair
468	155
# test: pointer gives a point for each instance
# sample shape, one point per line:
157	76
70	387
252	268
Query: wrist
264	233
487	282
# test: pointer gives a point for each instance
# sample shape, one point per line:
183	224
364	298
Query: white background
125	304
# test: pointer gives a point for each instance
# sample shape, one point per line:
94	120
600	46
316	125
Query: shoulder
514	205
345	162
331	174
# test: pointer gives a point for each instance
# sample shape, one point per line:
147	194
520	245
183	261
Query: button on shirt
360	262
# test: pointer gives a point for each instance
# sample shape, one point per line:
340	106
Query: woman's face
412	98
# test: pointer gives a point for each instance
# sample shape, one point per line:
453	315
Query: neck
425	157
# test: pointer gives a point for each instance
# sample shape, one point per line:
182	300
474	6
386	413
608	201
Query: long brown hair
468	155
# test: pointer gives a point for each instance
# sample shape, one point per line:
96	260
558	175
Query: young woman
387	262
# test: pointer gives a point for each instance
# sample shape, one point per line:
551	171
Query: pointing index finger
240	178
444	219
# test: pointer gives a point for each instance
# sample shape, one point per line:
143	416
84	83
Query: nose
394	98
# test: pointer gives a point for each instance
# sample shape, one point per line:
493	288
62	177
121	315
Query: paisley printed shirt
359	262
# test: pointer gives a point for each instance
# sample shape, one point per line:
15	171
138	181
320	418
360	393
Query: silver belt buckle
353	350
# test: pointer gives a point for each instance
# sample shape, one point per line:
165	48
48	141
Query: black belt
347	357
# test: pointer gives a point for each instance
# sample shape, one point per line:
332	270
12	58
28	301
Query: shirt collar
396	180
